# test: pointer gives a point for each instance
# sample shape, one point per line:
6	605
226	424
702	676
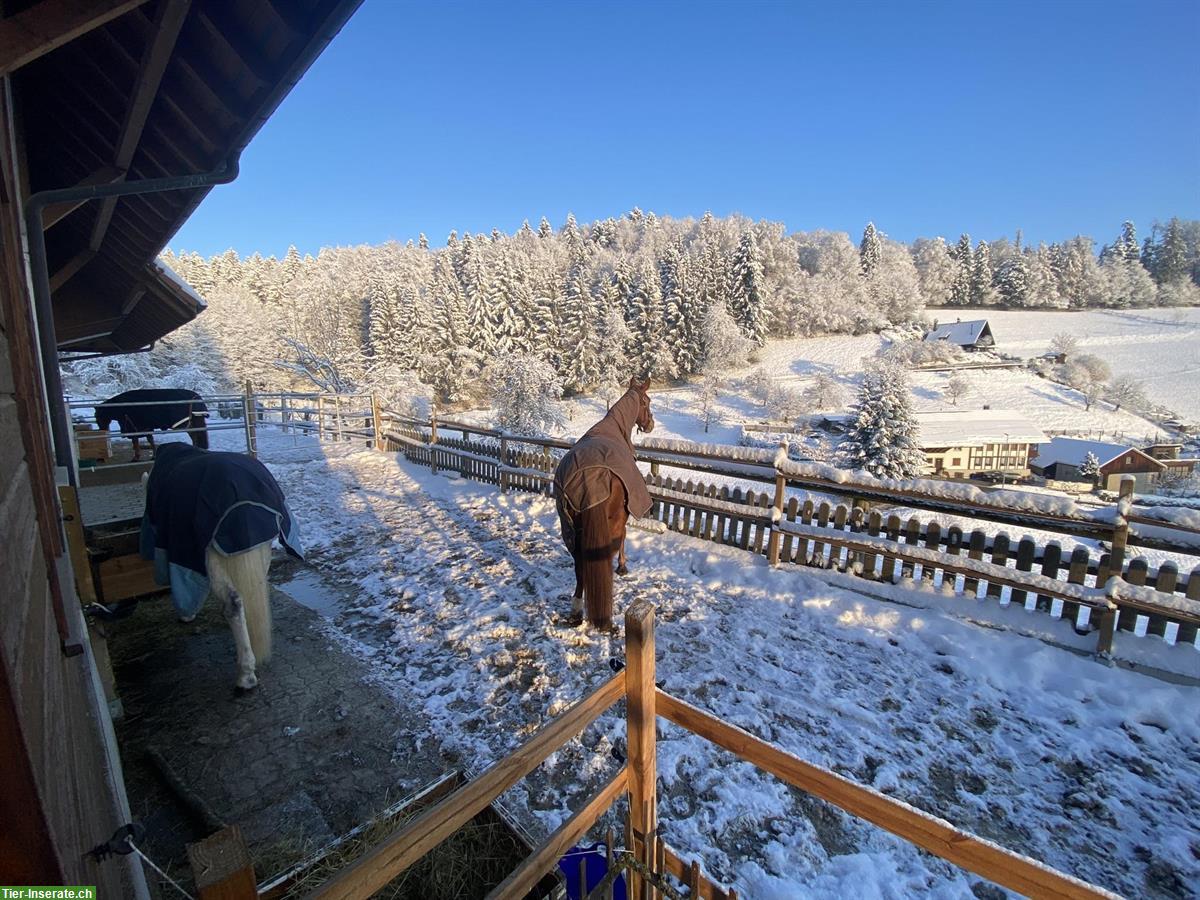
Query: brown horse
597	486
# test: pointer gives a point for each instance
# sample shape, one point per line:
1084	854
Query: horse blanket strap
581	480
195	498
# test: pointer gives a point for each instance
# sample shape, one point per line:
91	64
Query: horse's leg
622	569
137	453
150	441
577	600
235	614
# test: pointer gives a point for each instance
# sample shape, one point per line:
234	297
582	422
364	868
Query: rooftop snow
965	334
1073	451
976	427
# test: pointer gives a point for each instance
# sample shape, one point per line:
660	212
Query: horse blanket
581	480
199	497
163	416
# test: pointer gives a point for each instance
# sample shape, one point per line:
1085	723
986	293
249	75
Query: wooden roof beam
68	270
171	15
58	211
48	25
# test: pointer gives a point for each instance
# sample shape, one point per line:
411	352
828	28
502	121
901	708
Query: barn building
1061	458
970	336
962	443
116	119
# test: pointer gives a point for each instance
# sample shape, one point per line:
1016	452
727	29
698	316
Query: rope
624	860
148	861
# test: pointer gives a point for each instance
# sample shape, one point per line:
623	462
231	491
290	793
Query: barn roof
964	334
1073	451
159	88
976	427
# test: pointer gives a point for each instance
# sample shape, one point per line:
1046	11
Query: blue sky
928	118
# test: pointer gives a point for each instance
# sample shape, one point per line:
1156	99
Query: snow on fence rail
847	537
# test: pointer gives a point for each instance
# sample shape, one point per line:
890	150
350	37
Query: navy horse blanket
172	408
195	498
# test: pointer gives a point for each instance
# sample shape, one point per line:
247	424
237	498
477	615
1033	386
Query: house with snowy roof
1061	459
962	443
971	336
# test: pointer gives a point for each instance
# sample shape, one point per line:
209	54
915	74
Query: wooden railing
636	781
850	538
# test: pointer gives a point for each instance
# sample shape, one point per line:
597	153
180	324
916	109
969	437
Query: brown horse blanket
581	480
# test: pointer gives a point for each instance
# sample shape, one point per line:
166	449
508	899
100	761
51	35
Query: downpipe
40	277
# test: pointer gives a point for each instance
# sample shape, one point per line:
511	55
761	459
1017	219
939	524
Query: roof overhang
136	90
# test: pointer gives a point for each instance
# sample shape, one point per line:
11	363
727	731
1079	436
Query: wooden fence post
1116	565
776	516
320	417
285	412
337	415
433	439
251	431
376	422
640	720
222	867
503	462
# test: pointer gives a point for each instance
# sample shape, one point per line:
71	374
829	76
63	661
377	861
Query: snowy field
461	607
1151	345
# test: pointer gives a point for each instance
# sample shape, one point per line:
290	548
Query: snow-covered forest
665	297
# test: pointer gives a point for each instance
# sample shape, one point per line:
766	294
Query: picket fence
850	537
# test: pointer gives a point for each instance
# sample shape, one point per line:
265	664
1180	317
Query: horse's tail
594	548
198	420
247	574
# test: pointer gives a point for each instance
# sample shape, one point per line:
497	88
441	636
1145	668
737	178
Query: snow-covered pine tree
935	269
883	438
983	292
747	302
1012	280
1127	244
526	393
870	250
675	332
1090	467
648	347
545	231
450	327
508	335
960	287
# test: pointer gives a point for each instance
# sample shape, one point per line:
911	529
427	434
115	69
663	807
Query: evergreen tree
983	293
884	437
747	303
1012	280
545	232
960	287
1127	244
1171	256
870	250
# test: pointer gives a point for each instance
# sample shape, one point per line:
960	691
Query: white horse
239	583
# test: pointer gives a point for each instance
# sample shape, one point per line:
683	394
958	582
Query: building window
957	461
1129	460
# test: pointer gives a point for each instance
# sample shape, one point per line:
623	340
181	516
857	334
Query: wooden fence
651	867
850	537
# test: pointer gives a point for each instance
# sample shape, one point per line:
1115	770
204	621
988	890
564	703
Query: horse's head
104	418
645	418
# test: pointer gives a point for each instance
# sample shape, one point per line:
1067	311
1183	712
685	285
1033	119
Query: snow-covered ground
1159	347
461	606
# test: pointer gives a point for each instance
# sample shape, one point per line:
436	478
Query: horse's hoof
239	691
622	571
245	685
574	620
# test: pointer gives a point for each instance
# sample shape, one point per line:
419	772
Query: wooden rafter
59	211
48	25
68	270
150	72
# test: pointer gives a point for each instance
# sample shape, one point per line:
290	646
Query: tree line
662	297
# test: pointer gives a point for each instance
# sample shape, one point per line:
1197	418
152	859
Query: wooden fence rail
637	780
818	534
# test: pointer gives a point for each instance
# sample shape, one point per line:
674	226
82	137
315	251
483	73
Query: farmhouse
1061	458
961	443
971	336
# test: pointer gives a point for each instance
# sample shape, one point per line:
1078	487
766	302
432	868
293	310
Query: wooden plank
1076	574
939	837
534	867
222	867
975	548
123	577
1164	582
1025	553
777	506
1051	562
999	558
691	875
640	724
408	844
76	543
786	551
56	212
49	24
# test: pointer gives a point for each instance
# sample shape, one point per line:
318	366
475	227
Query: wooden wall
58	775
